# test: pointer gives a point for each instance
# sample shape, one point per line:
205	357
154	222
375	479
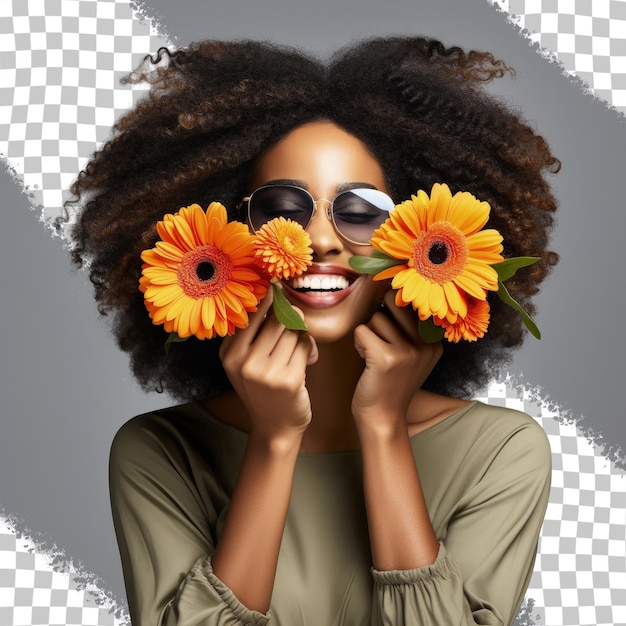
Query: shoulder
512	441
179	444
147	441
507	424
150	429
489	438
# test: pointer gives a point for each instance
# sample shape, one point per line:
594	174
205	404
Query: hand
397	362
266	365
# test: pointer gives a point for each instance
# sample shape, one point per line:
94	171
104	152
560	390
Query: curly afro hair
215	107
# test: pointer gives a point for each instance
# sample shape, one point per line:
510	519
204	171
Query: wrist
275	441
390	427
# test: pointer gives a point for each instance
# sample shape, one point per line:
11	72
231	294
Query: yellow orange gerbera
200	278
471	327
445	250
283	248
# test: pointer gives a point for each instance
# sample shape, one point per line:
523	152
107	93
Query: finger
258	317
387	329
305	353
359	344
405	316
245	336
290	340
366	340
313	351
284	347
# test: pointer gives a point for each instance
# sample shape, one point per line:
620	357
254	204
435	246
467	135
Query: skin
352	382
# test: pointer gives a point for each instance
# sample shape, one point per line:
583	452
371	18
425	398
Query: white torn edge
58	225
614	453
534	40
67	574
147	14
543	407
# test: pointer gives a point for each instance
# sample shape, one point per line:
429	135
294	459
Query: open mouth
323	283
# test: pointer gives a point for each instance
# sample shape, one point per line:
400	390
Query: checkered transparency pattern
588	37
32	592
579	577
60	66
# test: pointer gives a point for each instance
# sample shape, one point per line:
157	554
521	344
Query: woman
337	476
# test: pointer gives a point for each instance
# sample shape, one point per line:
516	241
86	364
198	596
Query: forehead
322	156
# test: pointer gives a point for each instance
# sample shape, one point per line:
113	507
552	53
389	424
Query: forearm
246	554
401	534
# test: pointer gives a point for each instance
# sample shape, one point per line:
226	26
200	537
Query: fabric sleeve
164	533
486	558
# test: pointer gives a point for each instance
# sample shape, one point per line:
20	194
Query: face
324	159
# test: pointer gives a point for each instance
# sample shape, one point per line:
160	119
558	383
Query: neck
331	382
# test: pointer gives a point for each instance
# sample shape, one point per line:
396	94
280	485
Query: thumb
314	353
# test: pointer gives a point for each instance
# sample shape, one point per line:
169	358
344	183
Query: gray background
66	389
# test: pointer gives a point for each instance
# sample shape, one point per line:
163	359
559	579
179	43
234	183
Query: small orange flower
283	248
471	327
200	278
447	253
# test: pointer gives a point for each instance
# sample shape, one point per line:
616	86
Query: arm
487	548
163	530
166	530
266	364
480	570
396	365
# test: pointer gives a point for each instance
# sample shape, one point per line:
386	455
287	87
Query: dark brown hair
215	107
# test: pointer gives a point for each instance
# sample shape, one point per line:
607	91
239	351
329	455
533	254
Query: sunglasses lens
359	212
292	203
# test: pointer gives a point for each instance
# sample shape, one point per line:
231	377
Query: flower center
204	271
440	253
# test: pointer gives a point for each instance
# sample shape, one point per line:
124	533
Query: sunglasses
355	213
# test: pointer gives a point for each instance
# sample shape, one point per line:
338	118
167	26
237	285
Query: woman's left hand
397	362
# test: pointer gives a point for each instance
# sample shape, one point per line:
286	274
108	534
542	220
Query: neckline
243	436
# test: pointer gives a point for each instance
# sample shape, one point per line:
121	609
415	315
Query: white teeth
320	283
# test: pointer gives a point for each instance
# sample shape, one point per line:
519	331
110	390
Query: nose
324	238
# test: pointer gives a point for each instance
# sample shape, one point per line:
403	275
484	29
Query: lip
319	299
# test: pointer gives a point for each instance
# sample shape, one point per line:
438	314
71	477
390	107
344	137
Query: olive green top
485	472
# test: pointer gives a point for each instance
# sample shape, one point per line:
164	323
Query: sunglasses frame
330	213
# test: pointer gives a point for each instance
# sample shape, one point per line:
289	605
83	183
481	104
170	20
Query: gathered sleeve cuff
203	598
433	594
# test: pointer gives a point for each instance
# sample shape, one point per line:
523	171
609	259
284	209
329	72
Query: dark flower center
438	253
205	270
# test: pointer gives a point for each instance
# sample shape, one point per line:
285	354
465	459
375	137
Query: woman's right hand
266	364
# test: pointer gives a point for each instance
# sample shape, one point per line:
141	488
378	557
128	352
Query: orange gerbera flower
446	251
471	327
200	278
283	248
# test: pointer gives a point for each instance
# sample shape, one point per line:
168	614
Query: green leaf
507	268
173	338
505	296
372	264
284	312
429	331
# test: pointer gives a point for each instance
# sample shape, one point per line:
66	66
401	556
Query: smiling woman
338	475
323	159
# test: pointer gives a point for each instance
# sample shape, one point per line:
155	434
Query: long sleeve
166	530
488	541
